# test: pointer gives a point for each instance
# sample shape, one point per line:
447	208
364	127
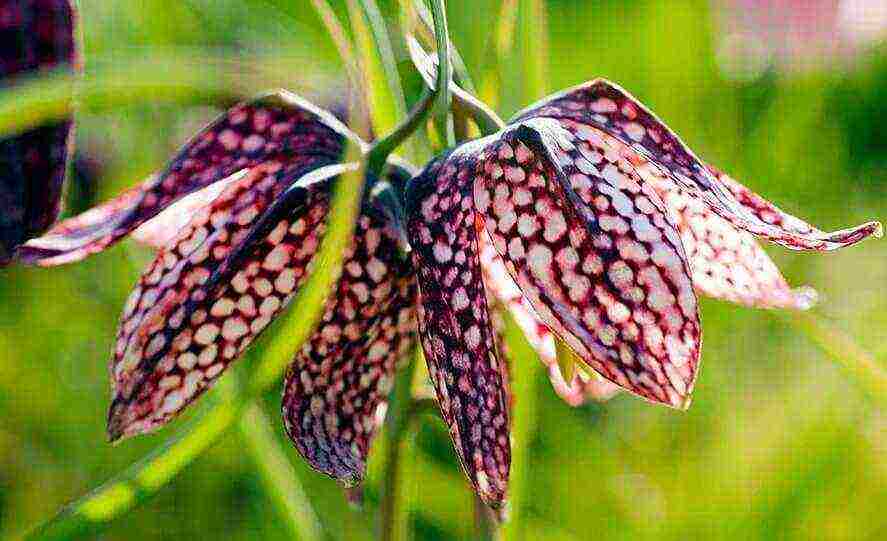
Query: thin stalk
486	526
524	381
382	149
392	511
439	97
444	70
843	350
487	119
460	71
340	38
278	475
141	480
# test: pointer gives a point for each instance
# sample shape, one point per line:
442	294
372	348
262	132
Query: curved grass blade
278	475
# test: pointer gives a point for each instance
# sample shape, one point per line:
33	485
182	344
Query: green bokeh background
780	443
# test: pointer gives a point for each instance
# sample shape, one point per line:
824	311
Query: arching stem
440	97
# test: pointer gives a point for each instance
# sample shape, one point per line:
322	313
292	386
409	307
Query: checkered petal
337	387
594	252
214	289
35	35
279	127
454	321
604	106
726	262
505	293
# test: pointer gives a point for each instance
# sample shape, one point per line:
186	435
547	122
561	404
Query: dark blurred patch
427	528
858	106
754	99
83	183
433	440
34	35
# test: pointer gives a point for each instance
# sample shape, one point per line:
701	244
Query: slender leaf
278	475
856	362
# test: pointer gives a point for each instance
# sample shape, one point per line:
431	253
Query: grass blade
278	475
857	363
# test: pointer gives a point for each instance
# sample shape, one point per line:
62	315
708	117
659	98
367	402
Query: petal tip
116	429
354	497
804	297
122	424
854	235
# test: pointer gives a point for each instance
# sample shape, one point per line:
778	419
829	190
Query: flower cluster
586	217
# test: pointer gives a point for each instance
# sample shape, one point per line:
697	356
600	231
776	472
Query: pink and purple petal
454	322
337	387
726	263
35	35
602	105
280	127
213	290
593	250
501	287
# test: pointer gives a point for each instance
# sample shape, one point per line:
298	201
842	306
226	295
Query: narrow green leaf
856	362
278	475
380	100
386	55
533	46
140	481
524	386
294	326
393	511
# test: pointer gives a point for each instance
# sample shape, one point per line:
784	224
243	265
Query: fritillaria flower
241	249
609	226
586	218
35	35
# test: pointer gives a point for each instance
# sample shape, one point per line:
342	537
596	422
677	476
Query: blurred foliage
780	443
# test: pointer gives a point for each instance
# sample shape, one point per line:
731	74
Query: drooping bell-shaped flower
35	36
608	225
247	199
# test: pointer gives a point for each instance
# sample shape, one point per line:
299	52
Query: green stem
381	149
485	521
853	360
278	475
386	53
392	511
140	481
440	98
460	71
488	121
524	386
444	70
